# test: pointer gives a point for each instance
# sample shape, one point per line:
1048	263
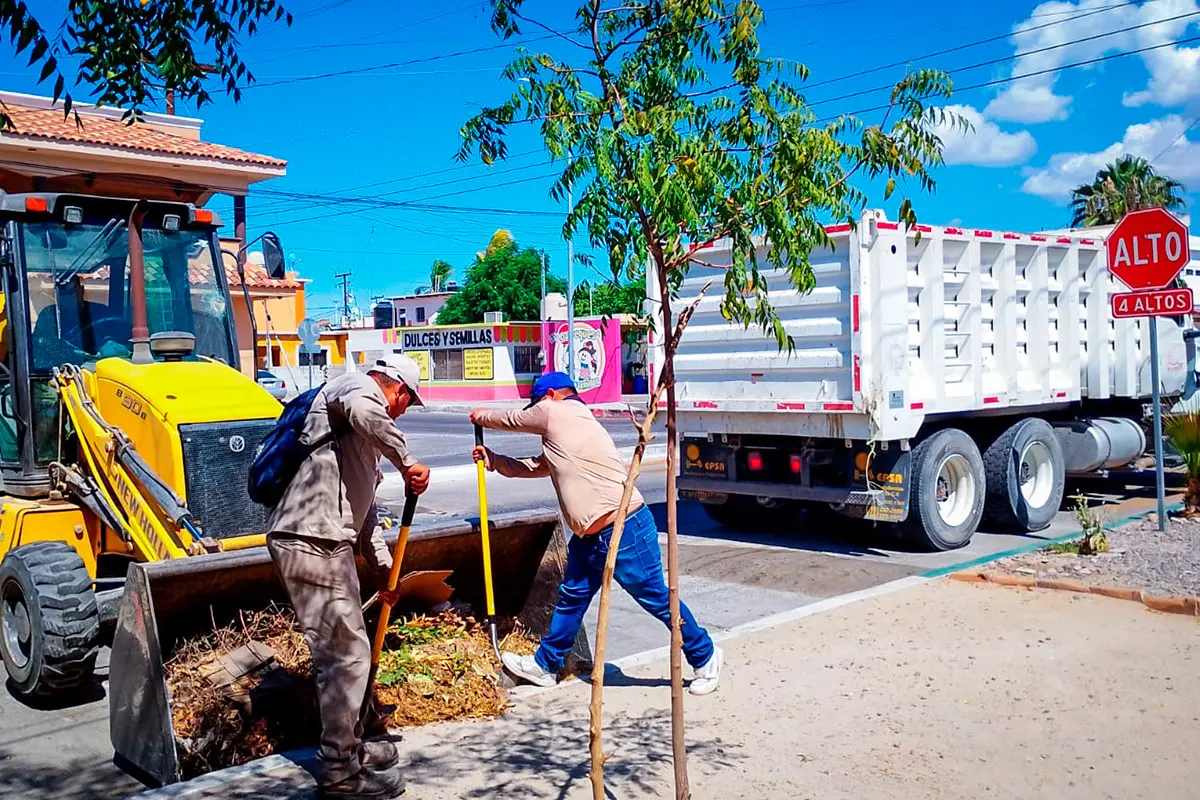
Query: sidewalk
946	690
600	410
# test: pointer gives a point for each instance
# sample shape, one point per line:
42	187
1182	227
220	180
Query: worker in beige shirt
313	541
588	475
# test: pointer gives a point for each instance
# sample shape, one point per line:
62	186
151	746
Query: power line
1072	18
1177	139
1034	74
994	61
391	65
374	202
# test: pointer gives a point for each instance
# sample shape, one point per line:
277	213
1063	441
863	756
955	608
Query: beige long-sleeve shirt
578	455
332	496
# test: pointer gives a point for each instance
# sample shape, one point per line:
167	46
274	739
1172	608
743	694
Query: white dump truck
939	375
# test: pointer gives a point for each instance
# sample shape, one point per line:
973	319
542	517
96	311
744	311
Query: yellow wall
286	308
287	348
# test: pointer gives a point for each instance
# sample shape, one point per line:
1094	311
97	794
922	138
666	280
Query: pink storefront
490	362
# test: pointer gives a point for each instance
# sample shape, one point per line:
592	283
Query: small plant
1095	539
1184	432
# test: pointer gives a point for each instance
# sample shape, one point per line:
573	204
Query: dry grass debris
433	668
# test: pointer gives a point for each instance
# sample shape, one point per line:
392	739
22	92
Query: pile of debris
247	690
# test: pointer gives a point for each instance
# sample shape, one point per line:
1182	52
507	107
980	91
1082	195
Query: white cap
401	368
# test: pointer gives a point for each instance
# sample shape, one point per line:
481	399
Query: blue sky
395	129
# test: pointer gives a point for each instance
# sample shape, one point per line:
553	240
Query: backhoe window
79	291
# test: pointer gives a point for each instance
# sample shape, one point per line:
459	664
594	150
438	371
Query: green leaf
48	69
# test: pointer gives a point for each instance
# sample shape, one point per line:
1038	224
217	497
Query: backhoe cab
126	427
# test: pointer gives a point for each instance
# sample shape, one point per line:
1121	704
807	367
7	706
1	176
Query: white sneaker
708	676
528	669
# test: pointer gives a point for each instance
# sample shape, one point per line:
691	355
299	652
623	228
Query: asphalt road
439	439
728	579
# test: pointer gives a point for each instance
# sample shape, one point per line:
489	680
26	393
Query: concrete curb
1188	606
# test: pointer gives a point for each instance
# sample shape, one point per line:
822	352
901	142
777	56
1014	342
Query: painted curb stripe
1038	545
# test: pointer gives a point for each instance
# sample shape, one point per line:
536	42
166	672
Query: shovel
385	613
481	471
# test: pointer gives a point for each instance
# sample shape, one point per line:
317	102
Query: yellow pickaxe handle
385	613
483	529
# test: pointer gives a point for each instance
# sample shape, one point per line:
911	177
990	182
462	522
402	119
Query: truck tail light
795	463
754	461
36	205
204	216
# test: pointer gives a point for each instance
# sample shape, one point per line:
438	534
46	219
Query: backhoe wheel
1025	476
945	500
49	622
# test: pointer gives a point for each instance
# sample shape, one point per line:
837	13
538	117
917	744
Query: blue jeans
639	571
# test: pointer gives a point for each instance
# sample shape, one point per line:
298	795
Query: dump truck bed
905	324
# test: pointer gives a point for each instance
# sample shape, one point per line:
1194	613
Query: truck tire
49	622
947	491
1025	476
741	513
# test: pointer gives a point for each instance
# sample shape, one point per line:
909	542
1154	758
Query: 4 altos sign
451	339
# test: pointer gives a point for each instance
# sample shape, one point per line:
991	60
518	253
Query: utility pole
542	307
344	277
570	295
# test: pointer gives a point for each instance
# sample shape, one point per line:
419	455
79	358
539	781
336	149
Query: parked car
273	384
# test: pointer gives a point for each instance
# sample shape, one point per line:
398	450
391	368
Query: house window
320	359
447	365
420	313
527	360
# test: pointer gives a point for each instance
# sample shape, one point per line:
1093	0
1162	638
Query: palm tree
438	274
1129	184
1184	432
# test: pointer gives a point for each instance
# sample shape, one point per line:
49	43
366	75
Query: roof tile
50	124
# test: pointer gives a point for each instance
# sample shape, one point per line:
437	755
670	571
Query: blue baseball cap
549	382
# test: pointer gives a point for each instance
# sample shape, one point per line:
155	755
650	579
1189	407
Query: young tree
129	51
1128	184
503	278
674	132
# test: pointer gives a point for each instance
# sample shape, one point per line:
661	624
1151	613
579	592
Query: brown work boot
379	756
366	784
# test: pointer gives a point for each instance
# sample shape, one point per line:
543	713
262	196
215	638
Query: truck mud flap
168	599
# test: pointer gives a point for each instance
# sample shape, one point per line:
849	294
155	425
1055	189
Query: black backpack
282	452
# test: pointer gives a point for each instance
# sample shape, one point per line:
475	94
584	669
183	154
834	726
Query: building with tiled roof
161	157
94	151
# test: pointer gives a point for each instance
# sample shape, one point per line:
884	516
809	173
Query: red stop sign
1147	249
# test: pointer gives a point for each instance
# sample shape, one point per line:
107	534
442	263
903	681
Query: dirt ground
947	690
1165	563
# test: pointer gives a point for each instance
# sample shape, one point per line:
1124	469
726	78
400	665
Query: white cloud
1029	104
1174	71
1180	159
985	145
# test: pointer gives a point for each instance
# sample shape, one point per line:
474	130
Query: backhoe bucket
168	599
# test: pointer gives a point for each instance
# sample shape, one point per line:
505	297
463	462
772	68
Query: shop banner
597	357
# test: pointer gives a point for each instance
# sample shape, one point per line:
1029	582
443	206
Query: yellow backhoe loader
126	433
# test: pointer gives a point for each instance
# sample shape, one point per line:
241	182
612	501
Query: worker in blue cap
589	478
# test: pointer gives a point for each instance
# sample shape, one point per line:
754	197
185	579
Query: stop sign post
1146	251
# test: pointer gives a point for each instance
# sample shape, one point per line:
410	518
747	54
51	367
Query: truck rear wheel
49	622
1025	476
947	492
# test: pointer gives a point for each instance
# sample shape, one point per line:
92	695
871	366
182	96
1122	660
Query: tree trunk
678	741
596	726
596	708
1191	502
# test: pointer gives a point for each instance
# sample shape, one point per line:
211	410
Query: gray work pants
322	584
